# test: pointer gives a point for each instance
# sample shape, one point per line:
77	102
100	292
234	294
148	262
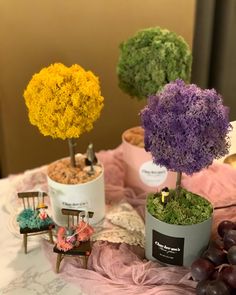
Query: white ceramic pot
140	171
88	196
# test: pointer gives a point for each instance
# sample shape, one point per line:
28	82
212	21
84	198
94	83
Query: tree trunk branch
178	181
72	145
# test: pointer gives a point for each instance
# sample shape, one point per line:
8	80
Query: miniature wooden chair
29	200
84	248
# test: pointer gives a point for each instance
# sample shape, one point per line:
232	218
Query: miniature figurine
165	195
90	158
70	236
42	214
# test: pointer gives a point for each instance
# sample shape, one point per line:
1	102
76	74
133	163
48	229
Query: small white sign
152	174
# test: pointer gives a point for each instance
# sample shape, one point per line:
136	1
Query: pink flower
84	231
62	244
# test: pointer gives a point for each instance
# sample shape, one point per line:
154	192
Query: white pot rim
101	175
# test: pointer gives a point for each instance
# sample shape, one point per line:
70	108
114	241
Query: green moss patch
187	208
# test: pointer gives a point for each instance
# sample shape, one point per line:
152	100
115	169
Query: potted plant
148	60
64	102
186	128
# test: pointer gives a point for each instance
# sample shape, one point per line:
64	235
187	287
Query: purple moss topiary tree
186	128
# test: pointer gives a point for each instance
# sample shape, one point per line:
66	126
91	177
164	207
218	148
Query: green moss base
187	208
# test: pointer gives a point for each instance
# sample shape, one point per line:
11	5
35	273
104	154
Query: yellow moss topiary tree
64	102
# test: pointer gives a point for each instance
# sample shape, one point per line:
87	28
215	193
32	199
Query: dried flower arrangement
64	102
29	218
150	59
186	128
68	238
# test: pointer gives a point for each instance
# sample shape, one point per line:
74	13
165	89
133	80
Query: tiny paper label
169	250
152	174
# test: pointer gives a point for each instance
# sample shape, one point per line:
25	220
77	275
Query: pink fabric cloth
121	269
218	185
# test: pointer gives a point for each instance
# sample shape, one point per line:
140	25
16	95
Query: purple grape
201	287
228	275
229	239
217	287
215	255
201	269
225	226
232	255
218	244
215	275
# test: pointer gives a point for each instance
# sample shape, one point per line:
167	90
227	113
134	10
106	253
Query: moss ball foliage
186	127
63	102
150	59
188	208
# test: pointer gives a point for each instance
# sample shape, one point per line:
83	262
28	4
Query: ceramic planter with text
186	128
181	243
141	172
85	193
158	57
64	102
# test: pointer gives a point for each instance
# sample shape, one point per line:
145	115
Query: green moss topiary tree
150	59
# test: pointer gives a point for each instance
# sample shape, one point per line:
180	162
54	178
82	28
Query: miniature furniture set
29	200
73	240
81	249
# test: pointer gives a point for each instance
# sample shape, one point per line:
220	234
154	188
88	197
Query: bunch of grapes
215	270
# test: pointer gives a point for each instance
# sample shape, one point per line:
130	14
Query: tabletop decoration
34	218
122	225
31	219
165	196
64	102
74	239
91	159
148	60
112	267
69	238
186	128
